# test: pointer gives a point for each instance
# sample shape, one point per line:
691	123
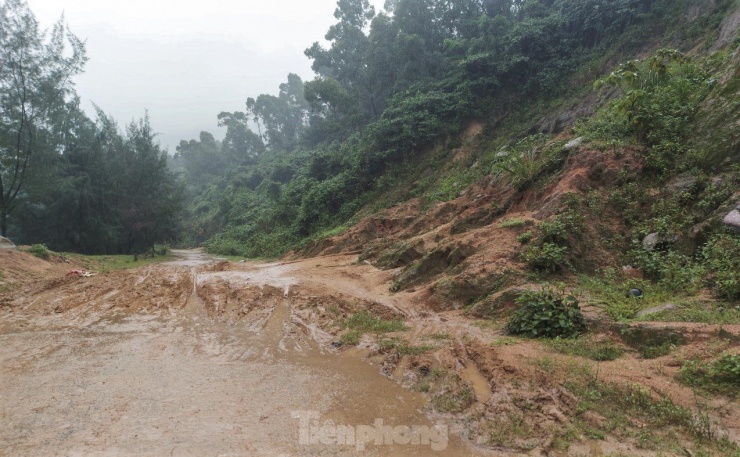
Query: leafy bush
722	259
660	97
525	237
548	257
40	251
547	313
524	162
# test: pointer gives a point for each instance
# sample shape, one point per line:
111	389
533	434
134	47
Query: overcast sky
186	61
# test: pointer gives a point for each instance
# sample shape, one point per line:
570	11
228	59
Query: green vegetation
549	244
722	257
721	375
525	237
108	263
364	128
453	397
660	97
40	251
402	347
587	347
652	343
546	313
547	257
632	412
366	322
363	322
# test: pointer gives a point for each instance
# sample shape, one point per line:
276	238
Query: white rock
574	143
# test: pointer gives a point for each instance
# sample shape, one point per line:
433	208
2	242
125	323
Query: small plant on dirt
365	322
453	398
721	375
547	313
547	257
351	338
653	352
509	427
520	169
515	222
504	341
525	237
402	347
40	251
599	351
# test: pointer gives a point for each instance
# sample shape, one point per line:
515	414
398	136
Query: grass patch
700	312
586	347
351	338
651	342
435	336
402	347
107	263
365	322
661	418
515	222
721	375
453	400
509	427
505	341
611	293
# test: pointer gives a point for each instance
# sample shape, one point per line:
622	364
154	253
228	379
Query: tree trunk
3	223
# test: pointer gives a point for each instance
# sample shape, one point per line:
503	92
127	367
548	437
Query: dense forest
74	183
389	87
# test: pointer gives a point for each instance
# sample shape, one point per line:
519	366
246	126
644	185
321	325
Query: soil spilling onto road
184	359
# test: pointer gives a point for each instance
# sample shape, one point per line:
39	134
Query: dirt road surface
153	363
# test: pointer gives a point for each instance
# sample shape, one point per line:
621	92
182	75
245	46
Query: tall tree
35	84
240	144
283	116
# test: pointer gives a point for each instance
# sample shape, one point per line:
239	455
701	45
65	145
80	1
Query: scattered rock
636	293
682	183
656	310
732	220
6	243
655	241
573	144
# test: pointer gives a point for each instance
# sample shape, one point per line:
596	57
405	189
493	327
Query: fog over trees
388	86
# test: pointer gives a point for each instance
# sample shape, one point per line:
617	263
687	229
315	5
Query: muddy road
184	358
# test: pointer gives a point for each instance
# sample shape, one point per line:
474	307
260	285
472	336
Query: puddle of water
480	384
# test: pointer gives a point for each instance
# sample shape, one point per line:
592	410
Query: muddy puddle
180	383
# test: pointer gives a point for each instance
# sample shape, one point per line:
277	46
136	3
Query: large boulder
6	243
732	219
656	241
